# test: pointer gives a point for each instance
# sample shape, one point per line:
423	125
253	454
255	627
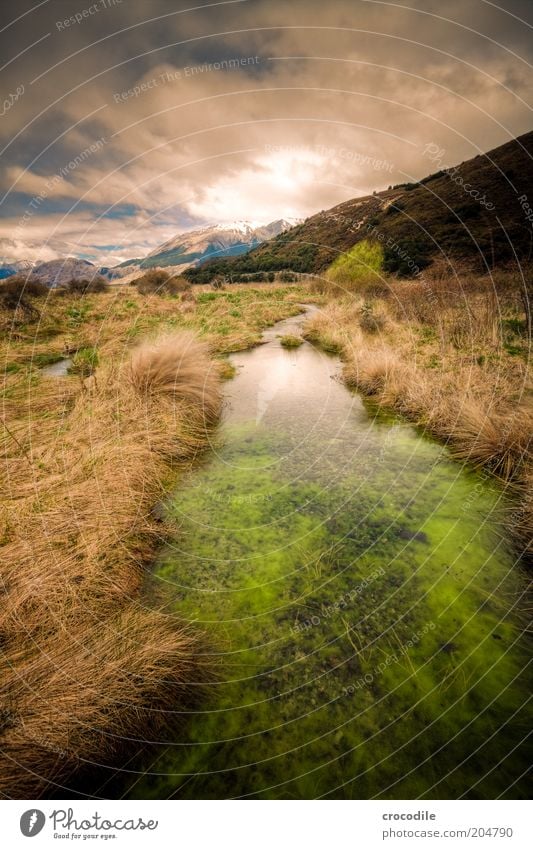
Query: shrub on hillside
287	277
370	321
87	287
152	282
156	281
15	298
358	267
20	285
407	258
178	286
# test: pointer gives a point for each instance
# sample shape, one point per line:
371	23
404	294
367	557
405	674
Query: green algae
362	606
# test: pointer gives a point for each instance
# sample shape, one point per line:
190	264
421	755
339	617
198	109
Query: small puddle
59	369
359	597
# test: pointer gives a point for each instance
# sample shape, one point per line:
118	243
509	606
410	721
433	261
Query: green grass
84	362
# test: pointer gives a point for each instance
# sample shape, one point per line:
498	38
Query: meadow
88	456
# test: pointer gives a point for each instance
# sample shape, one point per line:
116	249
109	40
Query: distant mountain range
182	251
479	212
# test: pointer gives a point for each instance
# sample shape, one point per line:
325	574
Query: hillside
436	217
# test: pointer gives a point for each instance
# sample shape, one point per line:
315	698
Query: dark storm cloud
256	109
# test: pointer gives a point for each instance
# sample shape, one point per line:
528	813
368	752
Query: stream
360	599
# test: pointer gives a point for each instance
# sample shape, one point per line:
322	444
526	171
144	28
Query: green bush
358	267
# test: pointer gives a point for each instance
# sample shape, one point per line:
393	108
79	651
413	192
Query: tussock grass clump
377	372
327	328
290	341
488	439
177	365
464	310
87	667
226	370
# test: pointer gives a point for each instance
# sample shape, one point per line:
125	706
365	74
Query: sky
124	122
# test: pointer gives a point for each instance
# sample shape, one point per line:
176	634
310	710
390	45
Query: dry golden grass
500	442
377	372
86	664
451	355
177	365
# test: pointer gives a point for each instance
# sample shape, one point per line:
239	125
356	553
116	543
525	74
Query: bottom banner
262	825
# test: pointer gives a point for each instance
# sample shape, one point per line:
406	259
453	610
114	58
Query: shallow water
59	369
361	603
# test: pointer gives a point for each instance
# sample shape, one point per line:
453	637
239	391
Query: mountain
214	241
8	269
125	271
184	250
57	272
478	212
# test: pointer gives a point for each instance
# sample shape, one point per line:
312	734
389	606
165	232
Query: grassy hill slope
473	212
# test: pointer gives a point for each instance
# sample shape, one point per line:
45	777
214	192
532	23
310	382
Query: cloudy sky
124	122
